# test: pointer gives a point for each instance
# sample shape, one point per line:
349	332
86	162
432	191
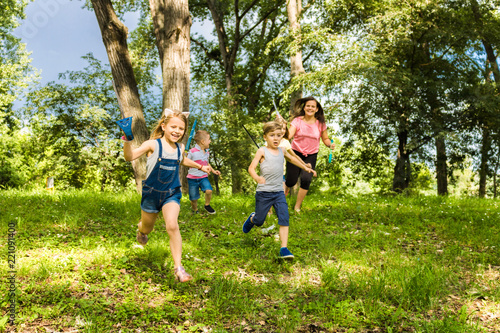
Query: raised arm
131	154
253	166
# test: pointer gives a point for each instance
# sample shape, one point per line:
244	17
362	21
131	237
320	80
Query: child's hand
261	180
206	169
216	172
309	165
311	171
314	173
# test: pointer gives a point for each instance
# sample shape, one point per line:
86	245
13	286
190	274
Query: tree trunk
437	125
441	167
228	56
402	170
229	45
294	9
114	35
172	25
485	156
491	58
216	178
216	184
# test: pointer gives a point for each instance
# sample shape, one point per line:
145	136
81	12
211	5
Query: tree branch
248	9
259	22
207	52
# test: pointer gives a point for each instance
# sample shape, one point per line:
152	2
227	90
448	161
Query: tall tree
237	65
294	10
15	70
16	74
394	77
114	35
172	26
484	21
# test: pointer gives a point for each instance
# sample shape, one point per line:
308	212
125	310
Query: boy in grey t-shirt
270	184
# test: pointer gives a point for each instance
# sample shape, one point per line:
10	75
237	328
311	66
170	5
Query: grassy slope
366	264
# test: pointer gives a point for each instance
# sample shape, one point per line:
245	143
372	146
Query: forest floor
362	264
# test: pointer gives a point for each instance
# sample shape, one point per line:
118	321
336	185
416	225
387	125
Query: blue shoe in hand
285	253
248	225
126	126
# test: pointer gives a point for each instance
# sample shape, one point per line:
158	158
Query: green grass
362	264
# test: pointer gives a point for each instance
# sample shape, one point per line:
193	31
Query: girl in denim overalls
161	190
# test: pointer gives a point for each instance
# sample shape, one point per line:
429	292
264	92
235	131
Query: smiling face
273	138
174	129
310	108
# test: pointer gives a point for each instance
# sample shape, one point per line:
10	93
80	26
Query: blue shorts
152	201
264	201
198	183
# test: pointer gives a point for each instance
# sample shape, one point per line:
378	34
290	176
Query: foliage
15	71
398	70
233	75
380	68
14	162
74	127
15	74
362	263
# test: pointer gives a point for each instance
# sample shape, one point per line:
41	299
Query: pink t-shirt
306	138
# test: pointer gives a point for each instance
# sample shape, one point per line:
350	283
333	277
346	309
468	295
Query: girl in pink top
307	129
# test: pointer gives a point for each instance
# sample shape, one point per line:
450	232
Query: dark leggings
293	172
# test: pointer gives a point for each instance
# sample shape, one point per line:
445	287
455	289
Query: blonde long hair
158	131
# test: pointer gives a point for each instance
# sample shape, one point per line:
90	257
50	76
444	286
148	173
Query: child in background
285	143
161	189
198	179
270	184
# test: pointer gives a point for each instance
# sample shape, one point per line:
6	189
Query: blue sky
59	32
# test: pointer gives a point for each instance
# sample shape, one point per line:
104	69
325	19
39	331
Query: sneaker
248	225
209	209
141	238
285	253
194	212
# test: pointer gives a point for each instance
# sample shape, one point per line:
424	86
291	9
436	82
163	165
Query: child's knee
257	221
172	227
208	192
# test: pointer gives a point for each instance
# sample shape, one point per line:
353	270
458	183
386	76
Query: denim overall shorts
163	184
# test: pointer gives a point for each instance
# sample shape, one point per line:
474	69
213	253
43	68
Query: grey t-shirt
272	171
153	158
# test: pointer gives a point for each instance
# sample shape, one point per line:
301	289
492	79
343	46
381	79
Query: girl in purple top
307	128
